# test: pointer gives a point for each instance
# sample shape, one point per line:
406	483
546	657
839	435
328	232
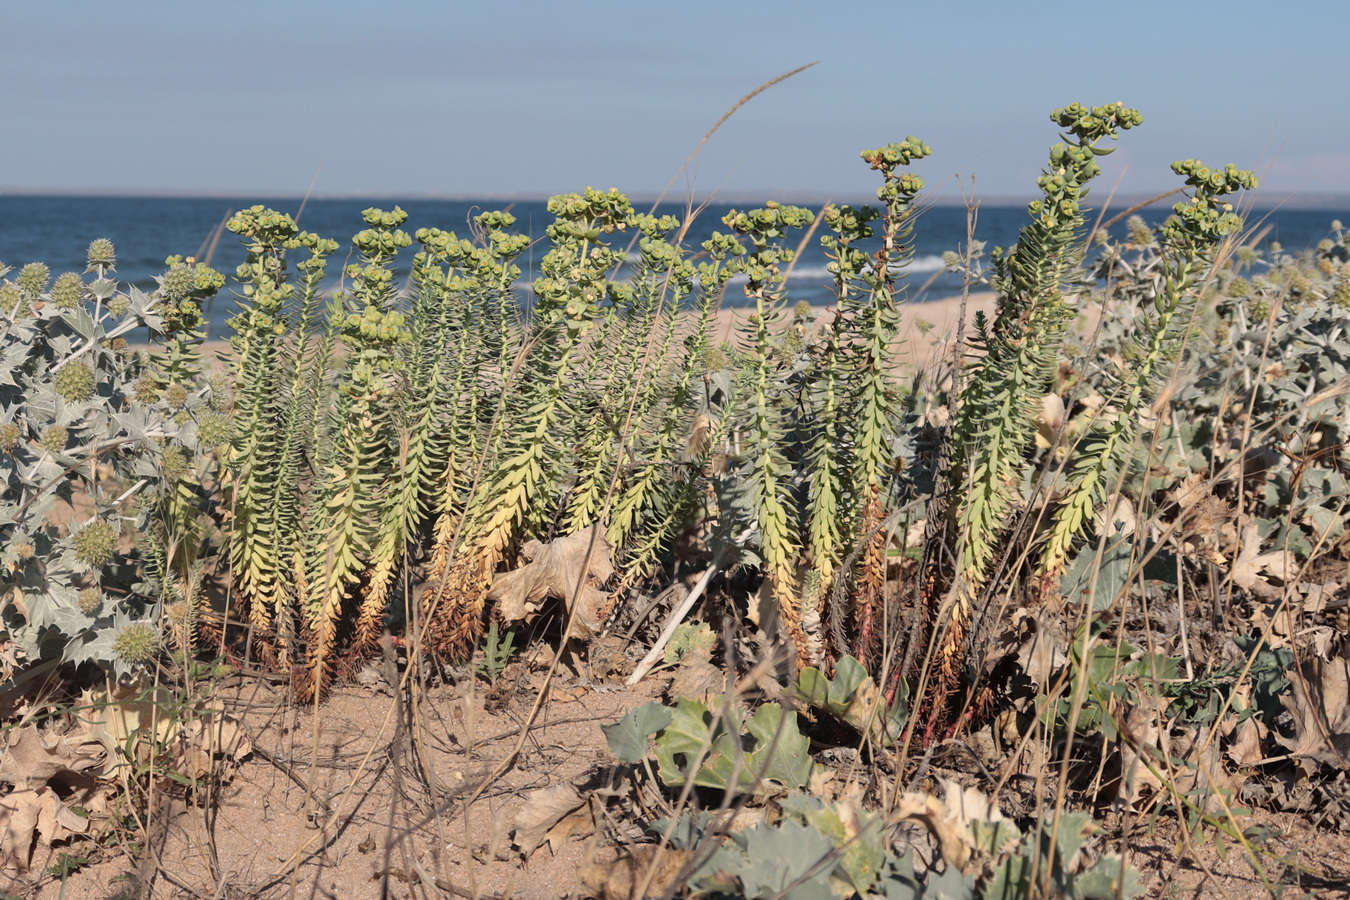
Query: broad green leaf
627	737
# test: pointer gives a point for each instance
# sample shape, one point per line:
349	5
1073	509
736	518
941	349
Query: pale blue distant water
57	229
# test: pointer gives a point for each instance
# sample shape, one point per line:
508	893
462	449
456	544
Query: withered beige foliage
558	570
35	764
1319	702
552	814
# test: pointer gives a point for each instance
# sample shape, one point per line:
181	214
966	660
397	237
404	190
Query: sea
57	229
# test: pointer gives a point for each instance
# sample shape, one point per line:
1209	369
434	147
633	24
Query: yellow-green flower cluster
54	438
214	430
33	279
91	599
173	463
100	254
11	298
175	395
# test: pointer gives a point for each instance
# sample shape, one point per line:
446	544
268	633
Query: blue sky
533	98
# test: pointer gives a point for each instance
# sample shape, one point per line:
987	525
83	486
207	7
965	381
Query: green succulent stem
1189	242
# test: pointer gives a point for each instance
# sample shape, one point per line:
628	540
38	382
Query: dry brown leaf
623	879
212	745
554	570
1319	702
30	762
206	743
1205	773
1049	421
948	821
1041	645
1247	569
551	814
697	678
1142	731
1245	748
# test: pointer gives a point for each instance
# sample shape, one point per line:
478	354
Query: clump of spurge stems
277	388
1190	240
865	334
353	498
994	426
761	483
554	395
453	421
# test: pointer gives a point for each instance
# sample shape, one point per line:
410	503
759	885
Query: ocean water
57	229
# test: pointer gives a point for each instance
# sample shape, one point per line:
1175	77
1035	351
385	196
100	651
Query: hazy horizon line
1305	200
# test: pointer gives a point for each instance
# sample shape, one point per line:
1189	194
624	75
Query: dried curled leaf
551	814
1319	703
555	570
35	765
1247	569
657	868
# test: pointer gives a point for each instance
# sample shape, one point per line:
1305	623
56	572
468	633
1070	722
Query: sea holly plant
84	427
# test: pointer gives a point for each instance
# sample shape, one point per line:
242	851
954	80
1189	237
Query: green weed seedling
497	650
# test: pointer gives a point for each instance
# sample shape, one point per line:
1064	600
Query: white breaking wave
818	274
918	264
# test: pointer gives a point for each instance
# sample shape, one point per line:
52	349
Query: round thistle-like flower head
145	390
75	382
68	292
136	643
96	543
91	599
174	464
179	281
176	395
1138	232
54	438
951	259
101	253
9	436
33	279
222	394
714	359
177	616
1340	297
214	430
118	305
11	298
